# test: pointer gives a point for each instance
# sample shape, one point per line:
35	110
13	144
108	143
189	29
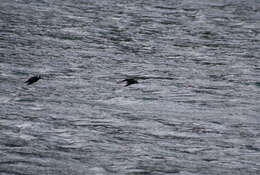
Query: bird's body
33	79
130	81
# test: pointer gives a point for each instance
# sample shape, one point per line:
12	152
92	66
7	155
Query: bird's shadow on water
25	93
257	84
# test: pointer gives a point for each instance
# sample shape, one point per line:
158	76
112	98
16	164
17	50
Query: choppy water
194	112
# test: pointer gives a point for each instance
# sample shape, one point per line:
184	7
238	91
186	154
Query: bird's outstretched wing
33	79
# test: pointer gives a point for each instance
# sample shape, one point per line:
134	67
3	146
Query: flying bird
133	80
33	79
129	81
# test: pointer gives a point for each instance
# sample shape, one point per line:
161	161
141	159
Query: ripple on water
194	111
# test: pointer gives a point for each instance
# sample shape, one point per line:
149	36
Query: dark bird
129	81
33	79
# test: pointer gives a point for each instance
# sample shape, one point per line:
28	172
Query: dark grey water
194	112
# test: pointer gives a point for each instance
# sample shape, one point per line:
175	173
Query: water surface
194	112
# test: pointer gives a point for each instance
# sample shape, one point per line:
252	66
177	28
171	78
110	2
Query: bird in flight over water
33	79
129	81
